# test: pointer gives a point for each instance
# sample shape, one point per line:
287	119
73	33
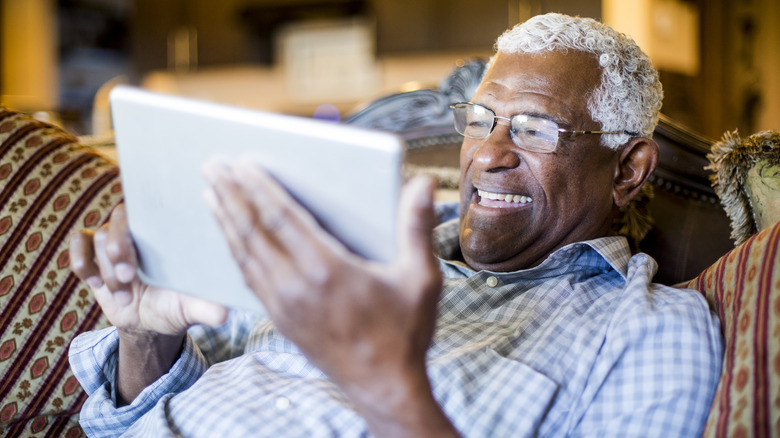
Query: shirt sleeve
218	344
657	371
93	358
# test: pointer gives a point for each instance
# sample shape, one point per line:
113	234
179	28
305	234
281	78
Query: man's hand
367	325
151	322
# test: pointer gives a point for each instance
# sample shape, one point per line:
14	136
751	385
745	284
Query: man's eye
478	124
528	132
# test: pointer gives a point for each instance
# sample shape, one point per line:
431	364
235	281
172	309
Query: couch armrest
743	287
50	187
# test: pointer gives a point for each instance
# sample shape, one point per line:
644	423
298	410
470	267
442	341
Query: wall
768	50
733	83
28	57
405	26
233	31
736	84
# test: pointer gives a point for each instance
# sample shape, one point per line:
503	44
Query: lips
501	200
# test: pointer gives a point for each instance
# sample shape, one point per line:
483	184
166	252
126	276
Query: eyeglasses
531	133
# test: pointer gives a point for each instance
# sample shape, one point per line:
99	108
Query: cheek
568	185
467	150
552	174
581	190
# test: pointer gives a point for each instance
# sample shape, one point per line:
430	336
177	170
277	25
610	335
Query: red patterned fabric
744	287
50	186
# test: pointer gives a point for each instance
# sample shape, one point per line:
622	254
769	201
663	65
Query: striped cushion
744	288
50	186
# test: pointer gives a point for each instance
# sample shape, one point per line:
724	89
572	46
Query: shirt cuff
93	359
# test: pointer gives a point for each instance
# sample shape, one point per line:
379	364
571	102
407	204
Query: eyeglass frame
514	136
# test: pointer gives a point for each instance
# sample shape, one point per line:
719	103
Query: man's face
571	188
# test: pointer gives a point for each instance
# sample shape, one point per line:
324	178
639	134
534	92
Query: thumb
416	221
199	311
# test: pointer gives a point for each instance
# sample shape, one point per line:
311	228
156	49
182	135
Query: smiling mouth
500	200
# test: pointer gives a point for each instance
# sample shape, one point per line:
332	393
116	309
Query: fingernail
123	297
95	282
124	272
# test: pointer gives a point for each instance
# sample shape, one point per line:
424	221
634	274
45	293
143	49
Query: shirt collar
603	253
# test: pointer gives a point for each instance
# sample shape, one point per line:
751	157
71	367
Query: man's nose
497	151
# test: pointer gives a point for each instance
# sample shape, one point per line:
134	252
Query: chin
509	265
485	257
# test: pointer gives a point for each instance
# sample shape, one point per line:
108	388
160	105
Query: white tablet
348	177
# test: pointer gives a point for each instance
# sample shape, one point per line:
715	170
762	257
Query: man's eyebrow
561	122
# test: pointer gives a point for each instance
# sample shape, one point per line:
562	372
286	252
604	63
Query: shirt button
283	403
492	281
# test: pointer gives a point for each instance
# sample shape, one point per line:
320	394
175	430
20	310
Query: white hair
630	93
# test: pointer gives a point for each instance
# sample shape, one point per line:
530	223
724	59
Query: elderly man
530	320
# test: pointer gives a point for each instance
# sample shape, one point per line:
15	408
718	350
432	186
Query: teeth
516	199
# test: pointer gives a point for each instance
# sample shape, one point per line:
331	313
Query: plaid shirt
581	345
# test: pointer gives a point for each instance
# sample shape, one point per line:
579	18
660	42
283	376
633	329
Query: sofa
51	185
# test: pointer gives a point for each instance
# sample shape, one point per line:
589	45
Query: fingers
227	202
226	194
416	221
277	243
200	311
279	214
119	246
106	257
260	217
223	215
82	258
115	289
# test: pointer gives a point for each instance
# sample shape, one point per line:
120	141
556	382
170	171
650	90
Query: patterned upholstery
50	186
744	288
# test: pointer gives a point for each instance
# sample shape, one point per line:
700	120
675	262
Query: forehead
553	81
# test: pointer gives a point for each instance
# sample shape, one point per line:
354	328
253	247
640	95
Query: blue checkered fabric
581	345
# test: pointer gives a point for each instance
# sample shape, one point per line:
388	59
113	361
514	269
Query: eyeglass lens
527	132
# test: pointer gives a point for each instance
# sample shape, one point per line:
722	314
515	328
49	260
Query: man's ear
636	161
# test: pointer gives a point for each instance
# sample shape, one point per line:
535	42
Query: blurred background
719	59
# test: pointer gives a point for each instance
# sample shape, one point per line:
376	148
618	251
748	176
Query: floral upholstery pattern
744	288
50	186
